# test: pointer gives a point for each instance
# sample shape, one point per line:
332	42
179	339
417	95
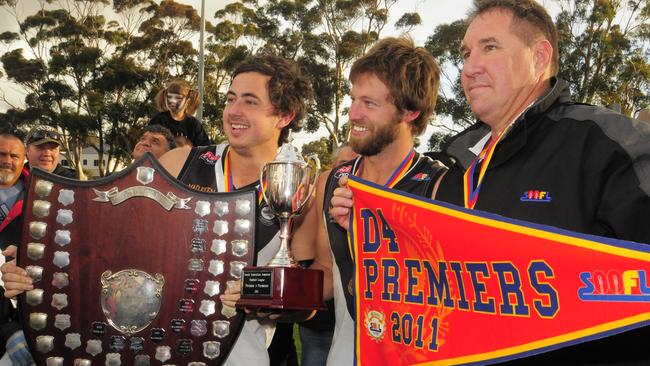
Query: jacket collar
459	145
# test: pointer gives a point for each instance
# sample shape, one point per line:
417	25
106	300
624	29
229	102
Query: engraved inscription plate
62	321
258	282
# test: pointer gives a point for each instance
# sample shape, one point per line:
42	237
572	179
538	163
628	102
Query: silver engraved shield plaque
128	269
62	237
41	209
131	299
37	229
54	361
218	246
221	208
35	251
62	321
37	321
73	340
44	343
202	208
94	347
34	297
113	359
66	197
64	217
43	188
163	353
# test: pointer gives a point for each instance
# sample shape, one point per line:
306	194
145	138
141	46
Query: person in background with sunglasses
44	151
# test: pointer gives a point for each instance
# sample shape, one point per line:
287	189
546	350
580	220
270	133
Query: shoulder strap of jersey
218	168
435	169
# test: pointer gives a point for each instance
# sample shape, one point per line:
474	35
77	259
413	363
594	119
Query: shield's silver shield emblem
163	353
44	344
131	299
211	349
73	340
59	301
113	359
145	175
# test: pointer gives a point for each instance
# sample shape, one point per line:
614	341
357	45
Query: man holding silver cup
266	99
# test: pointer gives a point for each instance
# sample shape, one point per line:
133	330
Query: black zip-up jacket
593	167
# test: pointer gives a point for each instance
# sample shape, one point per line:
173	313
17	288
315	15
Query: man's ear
409	116
285	120
542	56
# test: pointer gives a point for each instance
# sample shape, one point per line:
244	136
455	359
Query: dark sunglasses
45	134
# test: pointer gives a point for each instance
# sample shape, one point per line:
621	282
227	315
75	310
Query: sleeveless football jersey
204	171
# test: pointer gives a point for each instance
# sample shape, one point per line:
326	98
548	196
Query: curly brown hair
289	88
411	74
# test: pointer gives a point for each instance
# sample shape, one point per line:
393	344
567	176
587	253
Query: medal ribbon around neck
399	172
229	186
471	193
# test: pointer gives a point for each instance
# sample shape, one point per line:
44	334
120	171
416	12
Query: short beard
384	137
7	177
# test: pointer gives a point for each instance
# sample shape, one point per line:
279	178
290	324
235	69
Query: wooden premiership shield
128	269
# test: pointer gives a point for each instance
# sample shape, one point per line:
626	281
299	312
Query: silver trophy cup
287	183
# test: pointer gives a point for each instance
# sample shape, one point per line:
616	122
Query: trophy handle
314	158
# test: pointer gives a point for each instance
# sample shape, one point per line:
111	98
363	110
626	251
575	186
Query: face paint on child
174	102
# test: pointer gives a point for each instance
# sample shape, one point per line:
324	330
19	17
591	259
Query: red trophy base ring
286	288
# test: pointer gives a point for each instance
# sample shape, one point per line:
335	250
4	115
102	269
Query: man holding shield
266	98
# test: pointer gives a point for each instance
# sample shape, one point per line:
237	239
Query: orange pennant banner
437	284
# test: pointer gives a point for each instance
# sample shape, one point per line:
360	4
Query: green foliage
607	44
322	148
323	36
78	76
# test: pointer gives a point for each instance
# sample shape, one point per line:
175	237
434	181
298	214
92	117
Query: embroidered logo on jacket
210	158
421	177
536	196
